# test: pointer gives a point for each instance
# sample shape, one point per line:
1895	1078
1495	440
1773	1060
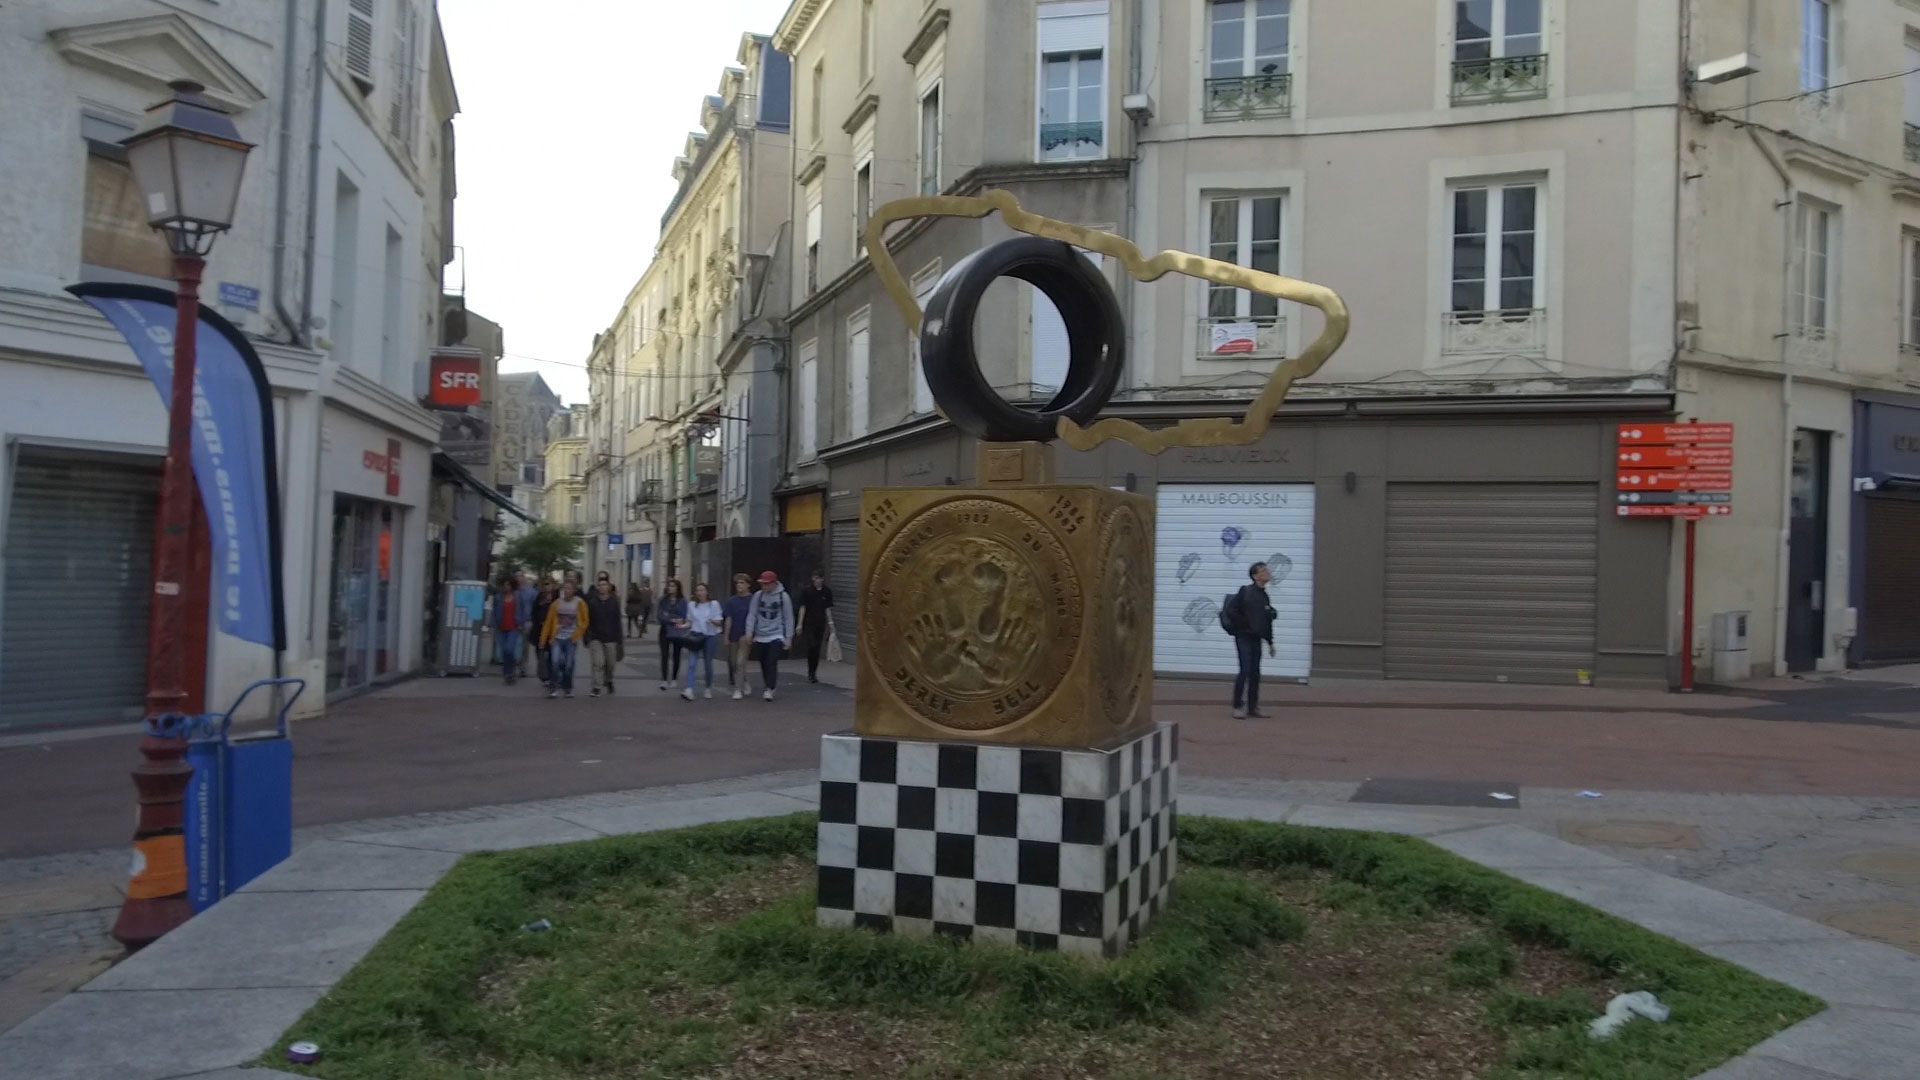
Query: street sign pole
1686	616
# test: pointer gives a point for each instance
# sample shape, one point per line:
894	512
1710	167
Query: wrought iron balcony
1249	97
1913	142
1070	136
1238	337
1499	78
1519	332
1811	345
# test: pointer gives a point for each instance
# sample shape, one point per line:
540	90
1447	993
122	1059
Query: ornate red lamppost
187	162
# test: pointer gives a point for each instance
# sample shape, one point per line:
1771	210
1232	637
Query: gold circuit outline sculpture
1197	432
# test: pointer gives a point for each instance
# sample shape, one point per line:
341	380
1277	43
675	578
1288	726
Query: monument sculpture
1005	779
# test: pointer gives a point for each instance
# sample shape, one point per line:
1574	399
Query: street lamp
187	162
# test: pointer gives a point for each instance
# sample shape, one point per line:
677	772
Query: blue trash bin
239	812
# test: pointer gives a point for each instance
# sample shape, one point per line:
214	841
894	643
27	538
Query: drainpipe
306	303
1131	225
296	330
1789	198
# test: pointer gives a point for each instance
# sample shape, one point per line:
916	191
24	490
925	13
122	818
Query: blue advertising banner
233	450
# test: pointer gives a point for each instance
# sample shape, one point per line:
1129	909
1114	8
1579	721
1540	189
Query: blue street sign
614	540
240	296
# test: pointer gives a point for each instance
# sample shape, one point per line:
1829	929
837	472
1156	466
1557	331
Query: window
814	217
809	400
1910	293
930	140
1499	51
1813	242
573	510
573	464
1072	121
859	418
114	235
1501	215
813	104
1912	86
866	41
923	284
1248	42
346	269
1816	45
862	204
1496	251
1244	230
395	353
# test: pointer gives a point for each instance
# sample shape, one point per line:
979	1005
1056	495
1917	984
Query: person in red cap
772	629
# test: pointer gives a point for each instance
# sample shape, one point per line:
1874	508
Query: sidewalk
221	990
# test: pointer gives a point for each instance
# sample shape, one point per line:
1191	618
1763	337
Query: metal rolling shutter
1486	581
1197	563
1890	612
843	575
79	570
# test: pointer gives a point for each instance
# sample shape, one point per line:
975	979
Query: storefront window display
362	627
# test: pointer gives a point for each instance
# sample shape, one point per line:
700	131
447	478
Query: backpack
1230	614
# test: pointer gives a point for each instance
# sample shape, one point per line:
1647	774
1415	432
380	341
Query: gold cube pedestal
1015	613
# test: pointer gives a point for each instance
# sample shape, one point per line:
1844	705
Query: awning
464	476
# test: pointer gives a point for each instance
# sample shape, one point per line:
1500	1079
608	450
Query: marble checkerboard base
1050	849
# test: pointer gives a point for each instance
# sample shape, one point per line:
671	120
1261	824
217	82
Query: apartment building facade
333	268
564	498
687	380
1437	501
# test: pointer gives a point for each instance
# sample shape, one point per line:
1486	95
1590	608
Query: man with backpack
1248	615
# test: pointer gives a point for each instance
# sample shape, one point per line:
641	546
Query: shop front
1886	530
377	486
1402	544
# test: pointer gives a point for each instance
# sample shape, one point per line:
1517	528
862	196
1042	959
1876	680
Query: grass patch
1288	952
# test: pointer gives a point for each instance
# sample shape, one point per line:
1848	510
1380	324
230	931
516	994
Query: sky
569	123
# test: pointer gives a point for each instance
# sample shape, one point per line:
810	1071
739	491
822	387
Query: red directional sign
1694	434
1674	480
1677	457
1694	512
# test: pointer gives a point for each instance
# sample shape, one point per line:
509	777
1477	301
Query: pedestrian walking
526	595
816	619
701	638
566	625
637	610
509	628
772	629
670	612
543	599
1248	615
606	635
738	611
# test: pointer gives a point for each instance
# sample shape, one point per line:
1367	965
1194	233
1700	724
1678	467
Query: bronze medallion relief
1126	641
983	603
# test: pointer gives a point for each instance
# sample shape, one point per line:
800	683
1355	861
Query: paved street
1800	795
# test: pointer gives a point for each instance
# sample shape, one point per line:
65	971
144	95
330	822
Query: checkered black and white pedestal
1050	849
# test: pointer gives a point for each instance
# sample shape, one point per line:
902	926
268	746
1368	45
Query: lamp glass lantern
187	161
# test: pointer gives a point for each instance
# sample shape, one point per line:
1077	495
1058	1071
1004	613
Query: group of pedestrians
753	625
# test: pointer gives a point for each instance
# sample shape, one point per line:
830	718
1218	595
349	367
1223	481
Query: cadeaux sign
233	449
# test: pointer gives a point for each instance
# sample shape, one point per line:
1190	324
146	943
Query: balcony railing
1810	345
1238	337
1913	142
1249	97
1070	137
1516	332
1499	78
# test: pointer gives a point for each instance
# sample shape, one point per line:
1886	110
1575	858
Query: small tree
542	549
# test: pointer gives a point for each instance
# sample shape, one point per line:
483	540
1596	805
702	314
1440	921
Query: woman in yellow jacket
566	625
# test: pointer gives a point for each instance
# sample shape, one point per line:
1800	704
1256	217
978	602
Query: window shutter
922	393
813	218
809	401
1076	27
360	41
858	421
1051	350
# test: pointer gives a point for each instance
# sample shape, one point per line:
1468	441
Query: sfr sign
454	381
